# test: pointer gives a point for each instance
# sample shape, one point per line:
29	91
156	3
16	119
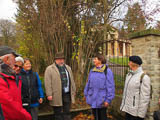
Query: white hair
19	59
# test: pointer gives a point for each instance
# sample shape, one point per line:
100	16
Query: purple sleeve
87	85
110	86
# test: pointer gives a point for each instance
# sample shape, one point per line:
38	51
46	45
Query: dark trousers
99	113
63	112
34	113
130	117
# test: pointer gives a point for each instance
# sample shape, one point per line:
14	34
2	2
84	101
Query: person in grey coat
136	95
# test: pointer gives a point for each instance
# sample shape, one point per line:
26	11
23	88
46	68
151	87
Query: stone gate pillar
147	46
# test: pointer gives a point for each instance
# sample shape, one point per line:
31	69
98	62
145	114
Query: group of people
99	90
22	92
20	87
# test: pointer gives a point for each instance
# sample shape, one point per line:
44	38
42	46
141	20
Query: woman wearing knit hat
18	64
136	95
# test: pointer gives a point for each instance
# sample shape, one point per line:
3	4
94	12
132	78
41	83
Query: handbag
156	115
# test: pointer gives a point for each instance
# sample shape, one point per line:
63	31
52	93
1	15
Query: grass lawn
120	61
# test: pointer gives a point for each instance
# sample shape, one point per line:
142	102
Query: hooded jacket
100	87
10	92
136	95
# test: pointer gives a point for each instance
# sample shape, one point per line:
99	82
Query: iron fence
119	67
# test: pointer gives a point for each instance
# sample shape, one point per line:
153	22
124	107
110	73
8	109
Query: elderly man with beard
60	87
10	90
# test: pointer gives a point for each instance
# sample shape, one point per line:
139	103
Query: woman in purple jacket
100	89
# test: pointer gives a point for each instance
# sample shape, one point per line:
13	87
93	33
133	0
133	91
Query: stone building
114	46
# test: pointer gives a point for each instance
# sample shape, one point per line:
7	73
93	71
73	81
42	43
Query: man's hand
159	101
106	104
49	97
40	100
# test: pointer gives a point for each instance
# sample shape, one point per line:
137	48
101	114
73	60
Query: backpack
141	78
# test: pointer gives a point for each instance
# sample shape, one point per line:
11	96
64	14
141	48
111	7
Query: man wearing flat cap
10	90
60	87
136	94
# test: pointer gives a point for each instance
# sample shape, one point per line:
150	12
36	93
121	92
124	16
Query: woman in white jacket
136	95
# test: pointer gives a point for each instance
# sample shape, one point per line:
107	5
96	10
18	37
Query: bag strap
141	79
105	71
5	80
143	74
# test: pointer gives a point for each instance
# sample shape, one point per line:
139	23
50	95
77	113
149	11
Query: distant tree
158	25
7	32
72	26
135	19
122	33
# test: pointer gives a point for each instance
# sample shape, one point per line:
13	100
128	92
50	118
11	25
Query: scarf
63	75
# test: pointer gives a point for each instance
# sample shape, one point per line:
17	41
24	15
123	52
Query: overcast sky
7	9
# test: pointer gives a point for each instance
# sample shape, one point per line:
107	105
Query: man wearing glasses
10	102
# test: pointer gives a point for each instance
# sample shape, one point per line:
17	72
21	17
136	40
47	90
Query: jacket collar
55	67
26	72
136	71
96	69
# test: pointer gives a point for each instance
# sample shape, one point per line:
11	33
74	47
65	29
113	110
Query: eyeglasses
18	66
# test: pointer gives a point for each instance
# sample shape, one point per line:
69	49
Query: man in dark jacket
11	103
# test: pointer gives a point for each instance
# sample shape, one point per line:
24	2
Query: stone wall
147	48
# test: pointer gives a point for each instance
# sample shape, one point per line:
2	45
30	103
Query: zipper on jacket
126	91
134	101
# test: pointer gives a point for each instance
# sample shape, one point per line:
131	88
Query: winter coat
53	84
136	95
10	99
31	93
100	88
